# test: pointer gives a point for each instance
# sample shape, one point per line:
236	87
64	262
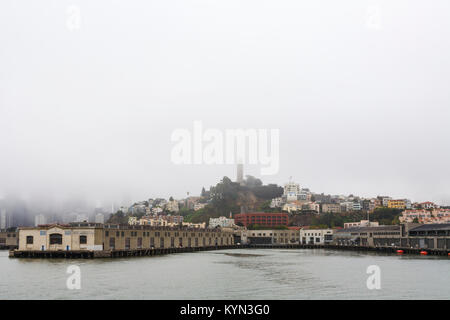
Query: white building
157	210
222	222
39	220
132	221
172	206
291	191
385	201
362	223
199	206
357	206
316	236
276	202
292	207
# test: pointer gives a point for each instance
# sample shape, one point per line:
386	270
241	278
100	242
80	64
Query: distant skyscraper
39	220
99	218
240	173
3	219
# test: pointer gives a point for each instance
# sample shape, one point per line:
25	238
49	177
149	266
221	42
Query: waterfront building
430	236
316	236
99	237
369	236
9	239
262	218
270	236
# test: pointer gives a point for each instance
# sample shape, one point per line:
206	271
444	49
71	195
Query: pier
88	254
380	249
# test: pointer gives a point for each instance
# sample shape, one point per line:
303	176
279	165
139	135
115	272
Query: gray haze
362	101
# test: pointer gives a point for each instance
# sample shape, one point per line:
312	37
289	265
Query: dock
89	254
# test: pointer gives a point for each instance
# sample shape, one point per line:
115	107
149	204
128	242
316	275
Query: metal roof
432	227
368	229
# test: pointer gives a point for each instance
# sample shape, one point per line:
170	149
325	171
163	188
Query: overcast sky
358	89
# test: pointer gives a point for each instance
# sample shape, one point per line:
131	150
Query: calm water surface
230	274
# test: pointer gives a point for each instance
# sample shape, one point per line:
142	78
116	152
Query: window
83	239
56	238
29	239
112	243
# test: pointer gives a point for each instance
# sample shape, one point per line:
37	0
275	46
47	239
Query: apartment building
331	208
262	218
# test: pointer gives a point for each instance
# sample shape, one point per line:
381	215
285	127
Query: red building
262	218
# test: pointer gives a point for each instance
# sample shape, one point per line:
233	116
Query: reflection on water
230	274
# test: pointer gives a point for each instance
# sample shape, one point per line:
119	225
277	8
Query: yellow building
79	236
99	237
8	239
397	204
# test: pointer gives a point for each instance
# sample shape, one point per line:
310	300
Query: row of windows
112	242
11	235
158	234
56	239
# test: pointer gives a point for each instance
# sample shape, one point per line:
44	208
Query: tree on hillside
252	182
